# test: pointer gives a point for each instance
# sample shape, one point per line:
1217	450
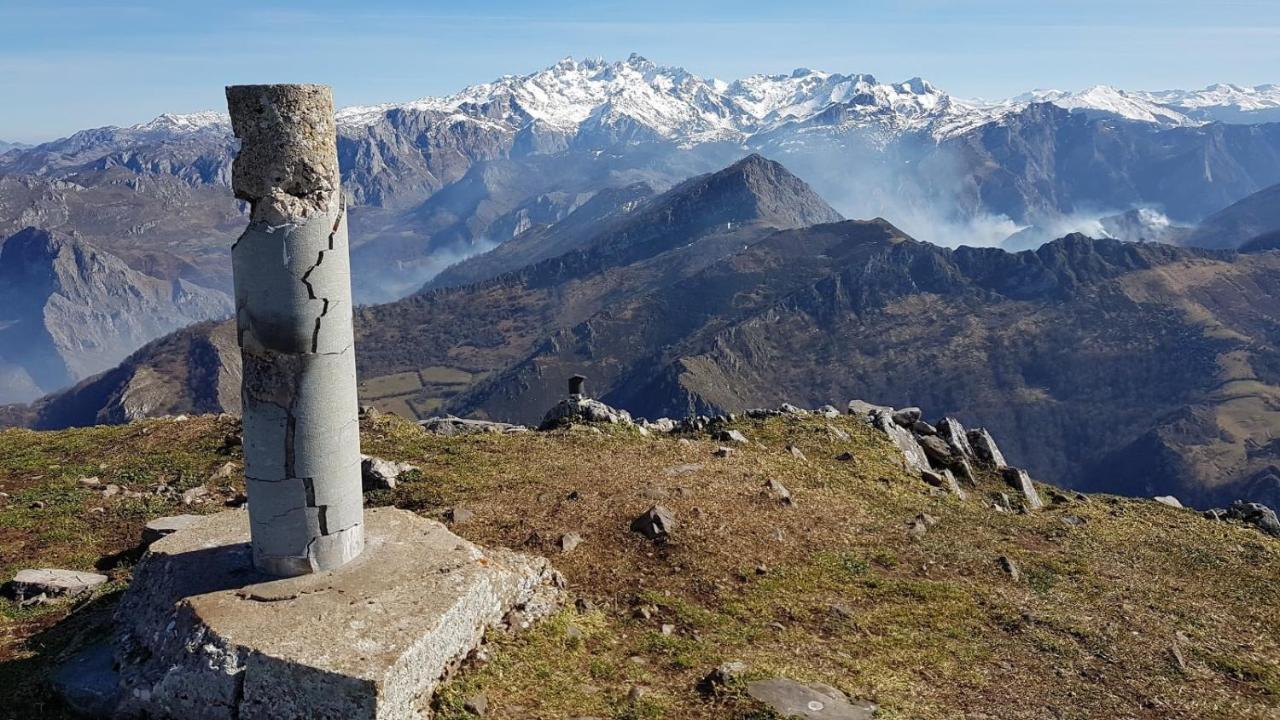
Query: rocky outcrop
69	311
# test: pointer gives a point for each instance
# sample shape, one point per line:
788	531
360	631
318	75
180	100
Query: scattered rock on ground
379	474
723	452
796	452
656	523
197	494
790	699
53	583
722	676
913	455
1019	480
1169	500
569	541
449	426
778	491
1009	567
1257	514
730	436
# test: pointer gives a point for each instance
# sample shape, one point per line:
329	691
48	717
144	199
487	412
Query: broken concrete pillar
293	315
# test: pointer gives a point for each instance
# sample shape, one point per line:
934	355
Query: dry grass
832	589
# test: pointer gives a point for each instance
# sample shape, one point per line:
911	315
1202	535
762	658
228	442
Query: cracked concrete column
293	314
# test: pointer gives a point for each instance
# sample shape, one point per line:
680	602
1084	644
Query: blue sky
70	65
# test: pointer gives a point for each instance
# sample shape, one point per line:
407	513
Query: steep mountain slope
69	310
1039	346
432	339
1240	222
547	240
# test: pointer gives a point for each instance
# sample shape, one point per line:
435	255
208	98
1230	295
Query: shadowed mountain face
1135	368
1241	222
69	310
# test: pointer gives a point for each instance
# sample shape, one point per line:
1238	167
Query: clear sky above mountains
71	65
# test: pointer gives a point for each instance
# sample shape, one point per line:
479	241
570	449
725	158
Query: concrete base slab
202	636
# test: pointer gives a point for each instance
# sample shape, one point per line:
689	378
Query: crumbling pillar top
287	167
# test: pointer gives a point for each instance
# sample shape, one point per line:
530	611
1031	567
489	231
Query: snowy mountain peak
183	123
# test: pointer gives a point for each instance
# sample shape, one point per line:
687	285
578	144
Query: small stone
109	490
721	452
828	411
656	523
225	472
569	541
583	606
635	694
379	474
838	434
731	436
53	583
37	505
195	495
796	452
779	492
668	629
89	482
845	457
1216	514
1073	520
722	677
458	516
477	704
1010	568
1169	500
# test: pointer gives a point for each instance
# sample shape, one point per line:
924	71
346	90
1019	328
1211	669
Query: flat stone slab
162	526
202	636
53	582
790	699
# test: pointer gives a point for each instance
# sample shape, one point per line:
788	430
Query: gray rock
88	682
1257	514
1216	514
1019	480
865	410
828	411
957	437
778	491
944	479
197	494
1009	567
656	523
379	474
722	676
937	450
913	455
796	452
450	426
790	699
569	541
986	450
53	583
722	452
837	433
583	410
921	427
1169	500
730	436
907	417
789	409
160	527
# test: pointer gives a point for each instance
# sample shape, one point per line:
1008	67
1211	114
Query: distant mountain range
1139	368
450	191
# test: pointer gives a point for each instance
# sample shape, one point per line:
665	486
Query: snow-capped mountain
1223	102
1109	102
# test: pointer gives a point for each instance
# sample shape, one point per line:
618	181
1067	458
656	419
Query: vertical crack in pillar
299	385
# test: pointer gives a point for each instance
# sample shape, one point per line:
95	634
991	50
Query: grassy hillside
1123	608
